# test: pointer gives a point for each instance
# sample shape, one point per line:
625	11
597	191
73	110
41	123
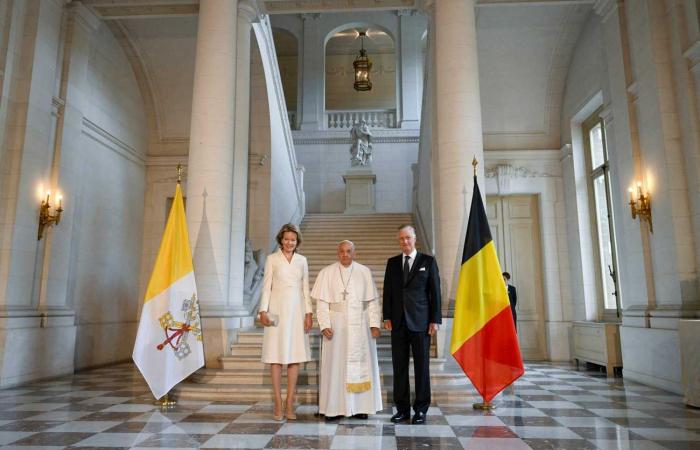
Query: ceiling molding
142	9
311	6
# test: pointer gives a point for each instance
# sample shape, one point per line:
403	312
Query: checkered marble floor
551	407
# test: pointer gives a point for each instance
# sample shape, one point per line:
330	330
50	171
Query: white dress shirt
411	259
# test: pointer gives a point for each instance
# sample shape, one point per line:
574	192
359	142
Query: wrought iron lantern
362	66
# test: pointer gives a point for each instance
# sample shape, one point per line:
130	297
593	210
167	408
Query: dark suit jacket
419	299
513	297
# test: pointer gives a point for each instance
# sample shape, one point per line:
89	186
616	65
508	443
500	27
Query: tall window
602	219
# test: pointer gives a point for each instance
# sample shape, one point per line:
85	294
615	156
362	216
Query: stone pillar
410	66
663	166
313	75
34	301
210	169
458	134
247	14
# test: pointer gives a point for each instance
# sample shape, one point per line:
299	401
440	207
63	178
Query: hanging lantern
362	66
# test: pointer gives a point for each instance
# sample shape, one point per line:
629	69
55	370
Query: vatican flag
169	340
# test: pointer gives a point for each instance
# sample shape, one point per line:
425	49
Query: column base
651	356
36	347
219	332
689	336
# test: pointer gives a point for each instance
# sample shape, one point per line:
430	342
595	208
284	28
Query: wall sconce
640	205
46	219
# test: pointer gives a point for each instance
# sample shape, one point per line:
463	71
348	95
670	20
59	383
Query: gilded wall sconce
640	205
46	219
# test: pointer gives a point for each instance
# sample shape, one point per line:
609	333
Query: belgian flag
484	341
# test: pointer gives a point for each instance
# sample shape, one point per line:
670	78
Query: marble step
248	362
307	394
256	349
256	337
306	377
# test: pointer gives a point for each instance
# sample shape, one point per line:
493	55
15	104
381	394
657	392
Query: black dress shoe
401	417
418	419
360	416
333	418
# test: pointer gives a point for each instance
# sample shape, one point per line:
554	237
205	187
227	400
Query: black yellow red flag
484	341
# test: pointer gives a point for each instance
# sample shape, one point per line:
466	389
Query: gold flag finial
179	173
474	164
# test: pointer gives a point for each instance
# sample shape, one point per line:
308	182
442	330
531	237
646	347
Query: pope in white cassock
348	312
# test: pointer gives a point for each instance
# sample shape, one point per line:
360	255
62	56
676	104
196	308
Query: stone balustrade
375	118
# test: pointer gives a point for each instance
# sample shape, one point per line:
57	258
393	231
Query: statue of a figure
361	150
252	272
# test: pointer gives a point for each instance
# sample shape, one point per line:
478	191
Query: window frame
592	174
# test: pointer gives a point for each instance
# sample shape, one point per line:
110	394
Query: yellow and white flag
169	340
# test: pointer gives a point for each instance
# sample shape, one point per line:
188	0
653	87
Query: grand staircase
244	378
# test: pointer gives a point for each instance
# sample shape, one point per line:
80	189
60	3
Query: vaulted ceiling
524	52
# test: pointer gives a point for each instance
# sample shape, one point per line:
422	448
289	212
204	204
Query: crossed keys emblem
176	333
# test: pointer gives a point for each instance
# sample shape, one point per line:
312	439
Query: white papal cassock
349	382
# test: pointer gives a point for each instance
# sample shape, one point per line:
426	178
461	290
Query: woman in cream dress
285	297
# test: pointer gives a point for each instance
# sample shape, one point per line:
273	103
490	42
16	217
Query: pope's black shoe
401	417
418	418
360	416
333	418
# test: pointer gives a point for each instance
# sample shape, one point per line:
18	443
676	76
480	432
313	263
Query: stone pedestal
359	191
689	336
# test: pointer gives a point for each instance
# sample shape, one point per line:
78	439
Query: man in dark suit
513	297
412	313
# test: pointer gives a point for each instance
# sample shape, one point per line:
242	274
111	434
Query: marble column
210	169
247	13
313	75
458	133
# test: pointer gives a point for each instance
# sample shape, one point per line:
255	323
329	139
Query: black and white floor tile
551	407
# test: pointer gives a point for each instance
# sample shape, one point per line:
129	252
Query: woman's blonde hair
289	227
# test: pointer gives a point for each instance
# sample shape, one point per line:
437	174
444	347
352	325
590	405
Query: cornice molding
104	137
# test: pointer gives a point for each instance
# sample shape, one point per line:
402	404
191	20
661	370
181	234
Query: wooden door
514	222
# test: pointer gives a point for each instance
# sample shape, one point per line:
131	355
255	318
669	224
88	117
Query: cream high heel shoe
278	416
290	415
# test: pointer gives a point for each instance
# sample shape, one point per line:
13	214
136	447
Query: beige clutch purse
274	318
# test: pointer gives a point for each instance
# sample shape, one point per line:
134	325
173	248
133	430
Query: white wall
109	209
81	130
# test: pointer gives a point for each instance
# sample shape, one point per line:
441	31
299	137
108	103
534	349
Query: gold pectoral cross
345	295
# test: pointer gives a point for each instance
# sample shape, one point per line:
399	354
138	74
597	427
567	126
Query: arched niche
287	49
341	46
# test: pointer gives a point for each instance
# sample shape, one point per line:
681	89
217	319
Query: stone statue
361	150
252	273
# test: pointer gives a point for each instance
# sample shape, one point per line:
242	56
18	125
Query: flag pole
483	406
166	401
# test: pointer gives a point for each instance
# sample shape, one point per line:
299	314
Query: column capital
405	12
310	16
249	10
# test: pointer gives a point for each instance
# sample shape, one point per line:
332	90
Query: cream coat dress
285	293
